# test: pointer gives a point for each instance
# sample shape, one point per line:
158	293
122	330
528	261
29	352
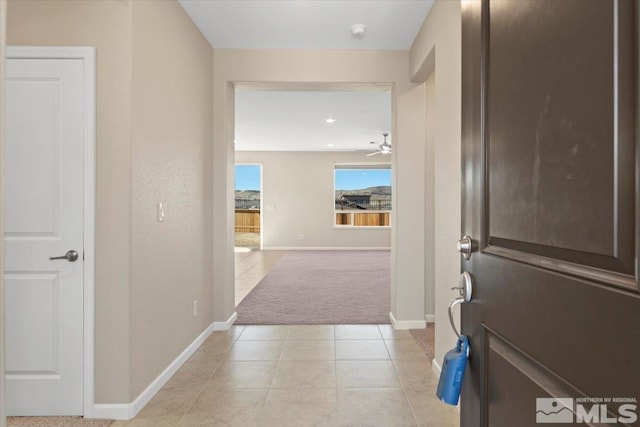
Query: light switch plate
160	212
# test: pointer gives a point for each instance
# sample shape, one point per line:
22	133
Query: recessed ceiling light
330	120
329	145
358	30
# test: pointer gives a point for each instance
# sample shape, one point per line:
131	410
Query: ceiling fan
383	148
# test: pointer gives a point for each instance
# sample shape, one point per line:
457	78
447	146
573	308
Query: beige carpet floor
322	288
55	422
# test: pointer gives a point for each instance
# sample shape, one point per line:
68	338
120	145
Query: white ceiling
308	24
296	121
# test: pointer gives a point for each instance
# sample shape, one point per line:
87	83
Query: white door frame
87	55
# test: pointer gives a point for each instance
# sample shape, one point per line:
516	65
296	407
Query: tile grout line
273	377
404	391
207	380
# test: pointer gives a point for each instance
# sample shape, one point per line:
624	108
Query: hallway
277	376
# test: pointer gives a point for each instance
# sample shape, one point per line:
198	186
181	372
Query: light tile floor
322	375
251	267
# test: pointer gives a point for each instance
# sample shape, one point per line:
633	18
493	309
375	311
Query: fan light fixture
384	148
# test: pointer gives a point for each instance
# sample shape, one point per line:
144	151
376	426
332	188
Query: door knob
465	246
465	287
70	256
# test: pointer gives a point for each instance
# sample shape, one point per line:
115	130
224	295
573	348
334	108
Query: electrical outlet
300	236
195	308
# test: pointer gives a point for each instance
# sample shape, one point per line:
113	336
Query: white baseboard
324	248
436	367
430	318
126	411
406	324
224	326
110	411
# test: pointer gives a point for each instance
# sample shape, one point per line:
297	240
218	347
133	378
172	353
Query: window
362	195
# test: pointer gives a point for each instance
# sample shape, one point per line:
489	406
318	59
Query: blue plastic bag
452	375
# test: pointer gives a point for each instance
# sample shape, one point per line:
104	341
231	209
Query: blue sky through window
355	179
248	177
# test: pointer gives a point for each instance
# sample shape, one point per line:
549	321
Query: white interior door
44	178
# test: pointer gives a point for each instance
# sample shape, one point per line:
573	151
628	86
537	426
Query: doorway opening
248	207
318	241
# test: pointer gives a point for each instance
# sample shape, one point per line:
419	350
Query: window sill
366	227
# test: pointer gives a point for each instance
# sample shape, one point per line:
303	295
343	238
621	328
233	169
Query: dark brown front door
550	197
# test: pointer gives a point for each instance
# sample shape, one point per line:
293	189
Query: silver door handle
70	256
465	288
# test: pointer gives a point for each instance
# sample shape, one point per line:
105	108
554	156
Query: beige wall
409	245
302	69
153	144
301	186
3	44
429	272
438	45
172	113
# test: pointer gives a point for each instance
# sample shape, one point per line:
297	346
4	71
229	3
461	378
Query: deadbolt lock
465	246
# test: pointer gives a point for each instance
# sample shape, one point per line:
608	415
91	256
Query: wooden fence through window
247	220
363	219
